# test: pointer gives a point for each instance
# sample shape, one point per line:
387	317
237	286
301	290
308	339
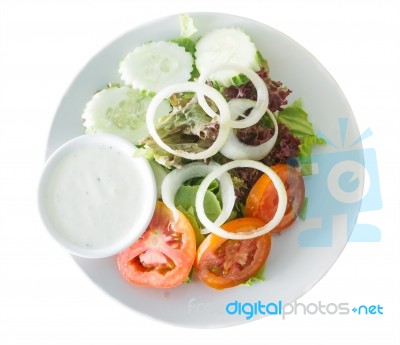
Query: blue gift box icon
343	183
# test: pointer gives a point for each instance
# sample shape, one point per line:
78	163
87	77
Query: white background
46	299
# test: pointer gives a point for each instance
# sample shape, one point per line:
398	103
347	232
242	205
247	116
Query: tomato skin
262	201
163	256
223	263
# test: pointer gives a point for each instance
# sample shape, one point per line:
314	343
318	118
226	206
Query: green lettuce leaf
190	47
185	200
188	128
306	146
186	43
296	119
259	277
187	25
186	197
190	215
303	210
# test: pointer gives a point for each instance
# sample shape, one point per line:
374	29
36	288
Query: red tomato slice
262	201
163	256
222	263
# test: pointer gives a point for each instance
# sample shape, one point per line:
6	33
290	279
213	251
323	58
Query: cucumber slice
120	111
227	46
155	65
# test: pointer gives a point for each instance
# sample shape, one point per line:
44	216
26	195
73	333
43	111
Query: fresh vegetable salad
227	149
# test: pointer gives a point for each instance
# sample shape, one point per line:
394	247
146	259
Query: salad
227	149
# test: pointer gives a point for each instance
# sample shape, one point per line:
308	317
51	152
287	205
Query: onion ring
234	148
217	230
218	99
262	94
177	177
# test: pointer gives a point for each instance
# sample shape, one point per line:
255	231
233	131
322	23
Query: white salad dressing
96	194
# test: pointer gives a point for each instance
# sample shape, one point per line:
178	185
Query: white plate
299	257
